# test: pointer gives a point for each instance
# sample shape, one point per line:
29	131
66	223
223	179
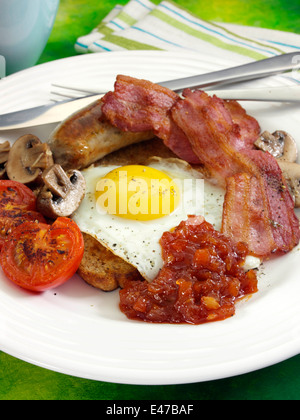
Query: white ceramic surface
78	330
25	26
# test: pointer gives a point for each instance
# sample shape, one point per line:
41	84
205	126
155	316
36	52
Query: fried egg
128	208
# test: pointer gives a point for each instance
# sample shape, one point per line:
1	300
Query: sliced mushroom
27	159
291	172
280	144
4	152
62	192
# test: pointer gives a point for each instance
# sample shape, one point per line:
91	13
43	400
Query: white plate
80	331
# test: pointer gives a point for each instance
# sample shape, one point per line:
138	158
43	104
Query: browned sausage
85	137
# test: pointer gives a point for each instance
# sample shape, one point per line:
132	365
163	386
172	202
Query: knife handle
253	70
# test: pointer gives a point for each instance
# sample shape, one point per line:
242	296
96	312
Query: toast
102	269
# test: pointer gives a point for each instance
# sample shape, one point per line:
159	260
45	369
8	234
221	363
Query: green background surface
22	381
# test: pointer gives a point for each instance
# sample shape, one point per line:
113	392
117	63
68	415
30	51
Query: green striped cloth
142	25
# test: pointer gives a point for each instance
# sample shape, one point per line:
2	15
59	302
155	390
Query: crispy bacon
249	127
258	208
249	216
282	218
198	128
139	105
214	137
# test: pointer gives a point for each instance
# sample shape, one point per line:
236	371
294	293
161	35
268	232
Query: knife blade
53	113
44	114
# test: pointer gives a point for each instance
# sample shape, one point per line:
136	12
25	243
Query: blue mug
25	27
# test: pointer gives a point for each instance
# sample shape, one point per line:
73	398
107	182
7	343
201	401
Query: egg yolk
137	192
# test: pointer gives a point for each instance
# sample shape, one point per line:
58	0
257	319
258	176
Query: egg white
137	242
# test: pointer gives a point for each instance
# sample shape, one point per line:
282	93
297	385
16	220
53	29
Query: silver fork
219	79
60	91
271	94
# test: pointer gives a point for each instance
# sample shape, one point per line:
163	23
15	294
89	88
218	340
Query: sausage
85	137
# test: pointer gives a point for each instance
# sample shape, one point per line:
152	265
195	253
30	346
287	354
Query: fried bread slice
102	269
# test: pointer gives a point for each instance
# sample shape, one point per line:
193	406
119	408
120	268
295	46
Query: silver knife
56	112
44	114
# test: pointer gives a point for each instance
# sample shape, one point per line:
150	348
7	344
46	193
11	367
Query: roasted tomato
15	195
17	205
16	218
38	256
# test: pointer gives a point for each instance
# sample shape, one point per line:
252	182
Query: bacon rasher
258	215
258	208
215	138
139	105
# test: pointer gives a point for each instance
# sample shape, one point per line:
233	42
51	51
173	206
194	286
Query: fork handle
253	70
266	94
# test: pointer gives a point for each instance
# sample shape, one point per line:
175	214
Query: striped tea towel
142	25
